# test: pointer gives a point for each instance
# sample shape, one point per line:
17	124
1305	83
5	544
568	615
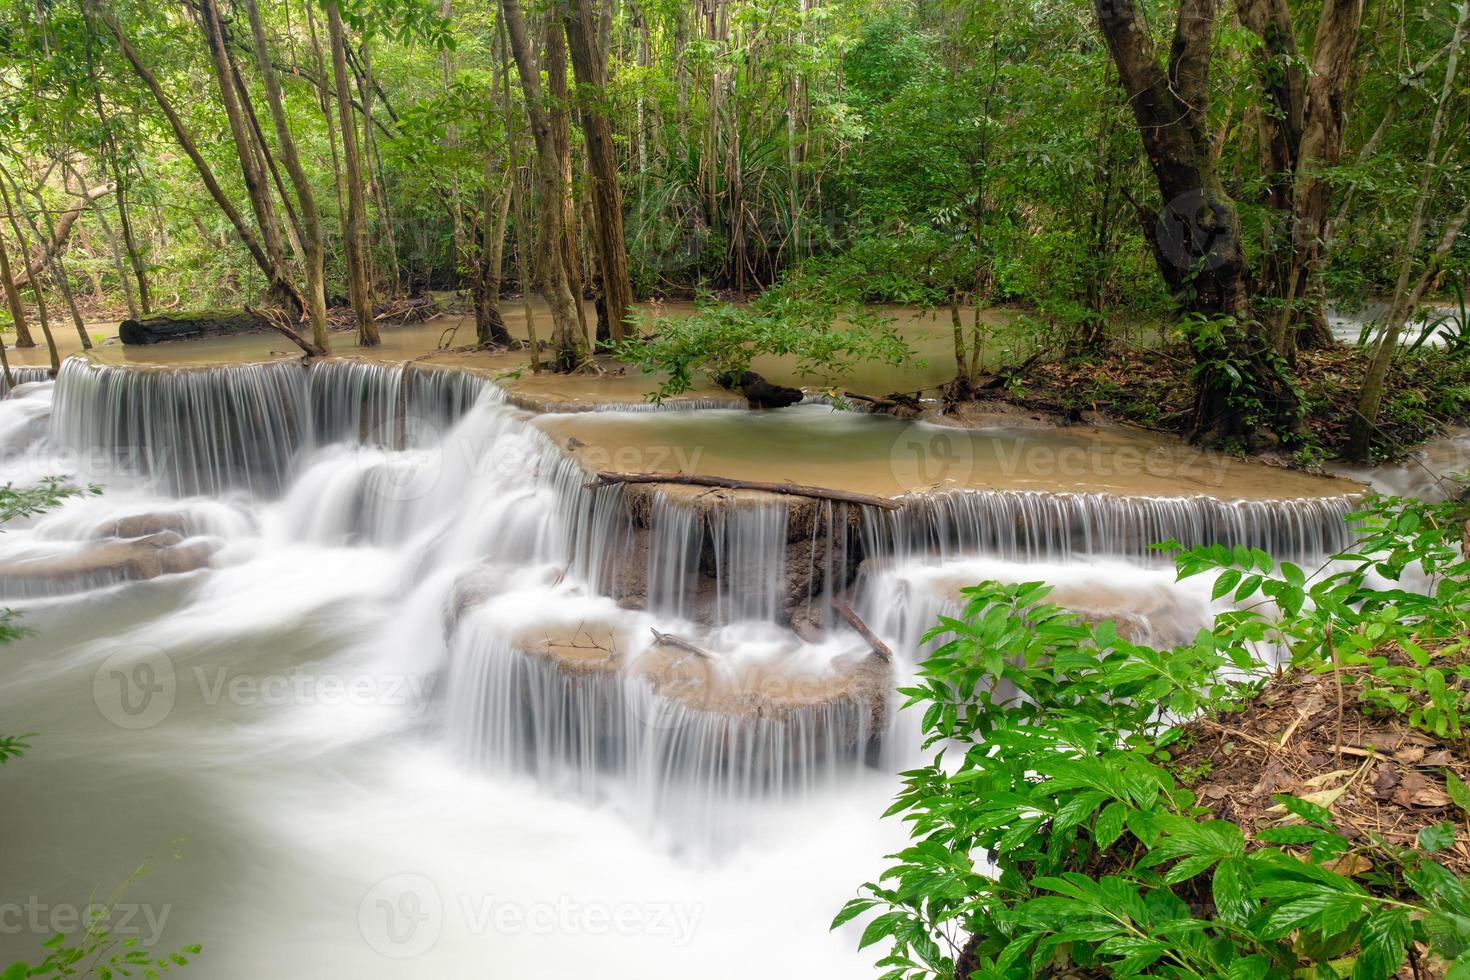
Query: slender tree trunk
1405	296
569	341
51	257
114	246
12	300
35	280
256	187
311	220
358	288
495	212
186	143
559	100
109	148
589	64
373	162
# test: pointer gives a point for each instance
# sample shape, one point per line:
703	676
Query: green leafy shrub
1052	834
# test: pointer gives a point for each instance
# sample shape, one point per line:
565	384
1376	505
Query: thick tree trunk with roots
1196	233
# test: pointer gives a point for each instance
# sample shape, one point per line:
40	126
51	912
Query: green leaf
1306	809
1231	891
1382	945
851	910
1109	825
883	927
1225	583
1437	837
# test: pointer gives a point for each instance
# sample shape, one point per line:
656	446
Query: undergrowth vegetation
1062	828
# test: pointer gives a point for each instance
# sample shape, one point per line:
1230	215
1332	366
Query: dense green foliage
1056	740
980	148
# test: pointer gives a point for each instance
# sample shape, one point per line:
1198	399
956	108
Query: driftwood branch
282	323
897	403
880	649
607	479
678	643
64	224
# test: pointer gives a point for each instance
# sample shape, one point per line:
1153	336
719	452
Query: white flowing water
336	752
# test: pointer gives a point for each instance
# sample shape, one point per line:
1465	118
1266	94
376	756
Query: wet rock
811	545
142	525
759	392
106	562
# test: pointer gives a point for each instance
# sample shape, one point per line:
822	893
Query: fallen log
881	650
678	643
608	479
161	327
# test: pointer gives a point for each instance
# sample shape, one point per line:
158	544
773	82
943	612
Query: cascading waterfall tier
1035	526
210	430
720	557
392	405
588	698
22	374
193	431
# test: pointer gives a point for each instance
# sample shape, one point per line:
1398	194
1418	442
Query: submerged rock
105	562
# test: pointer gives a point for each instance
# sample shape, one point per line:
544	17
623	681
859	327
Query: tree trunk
186	143
569	341
359	292
1196	233
589	64
282	291
1405	296
109	145
311	220
12	300
51	259
559	101
495	211
41	314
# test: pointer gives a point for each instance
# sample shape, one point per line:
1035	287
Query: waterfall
23	374
1036	526
557	599
195	431
388	404
590	710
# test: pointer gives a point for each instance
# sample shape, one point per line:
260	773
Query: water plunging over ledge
420	658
